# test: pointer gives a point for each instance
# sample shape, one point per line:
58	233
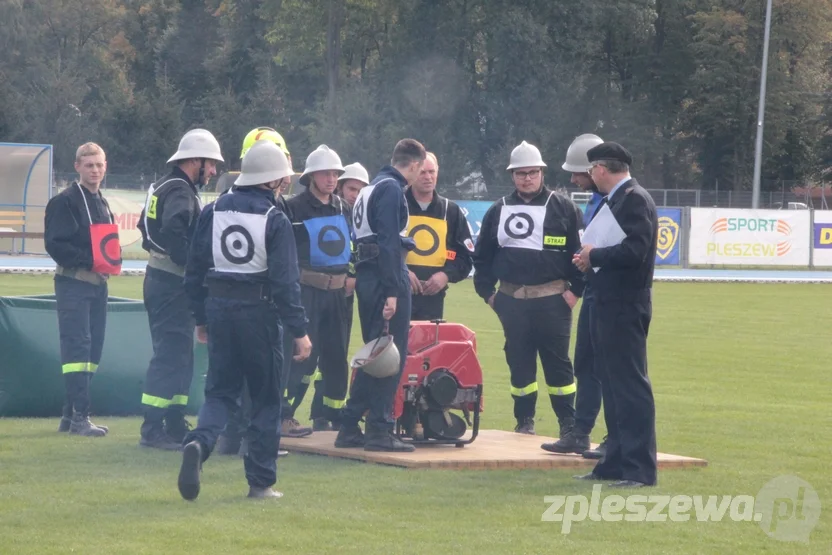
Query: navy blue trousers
368	393
589	394
244	346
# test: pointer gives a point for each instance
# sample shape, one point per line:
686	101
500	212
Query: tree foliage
676	81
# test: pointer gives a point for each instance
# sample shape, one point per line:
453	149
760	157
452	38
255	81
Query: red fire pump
441	374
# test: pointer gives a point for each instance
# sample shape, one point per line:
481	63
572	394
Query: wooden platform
491	449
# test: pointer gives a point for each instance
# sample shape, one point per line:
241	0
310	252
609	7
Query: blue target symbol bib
329	241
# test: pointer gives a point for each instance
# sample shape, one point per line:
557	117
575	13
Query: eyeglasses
592	167
531	174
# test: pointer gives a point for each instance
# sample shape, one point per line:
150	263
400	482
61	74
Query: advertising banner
474	211
749	237
670	227
822	238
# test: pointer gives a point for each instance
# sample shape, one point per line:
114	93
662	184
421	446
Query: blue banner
474	211
670	228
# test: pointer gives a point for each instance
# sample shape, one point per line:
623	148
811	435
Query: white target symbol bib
521	227
239	242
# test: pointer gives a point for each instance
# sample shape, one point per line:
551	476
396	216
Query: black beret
610	151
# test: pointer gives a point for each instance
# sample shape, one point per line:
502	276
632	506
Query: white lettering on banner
749	237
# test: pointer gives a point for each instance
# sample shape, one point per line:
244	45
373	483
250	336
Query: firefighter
167	223
383	289
322	223
526	241
354	178
232	440
443	244
242	284
81	238
588	394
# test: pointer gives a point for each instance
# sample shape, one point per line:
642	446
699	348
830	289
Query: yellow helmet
263	133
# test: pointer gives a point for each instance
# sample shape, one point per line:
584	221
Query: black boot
153	432
321	425
525	426
350	436
571	439
176	426
82	426
189	472
598	452
384	440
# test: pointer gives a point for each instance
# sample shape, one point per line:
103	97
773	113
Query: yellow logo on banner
668	235
430	236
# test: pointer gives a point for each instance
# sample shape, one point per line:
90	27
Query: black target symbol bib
331	241
359	213
111	252
237	245
434	246
519	226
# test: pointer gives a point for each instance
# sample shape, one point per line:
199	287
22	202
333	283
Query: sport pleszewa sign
749	237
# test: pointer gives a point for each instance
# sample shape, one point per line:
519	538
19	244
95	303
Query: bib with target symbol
521	227
239	242
329	241
430	236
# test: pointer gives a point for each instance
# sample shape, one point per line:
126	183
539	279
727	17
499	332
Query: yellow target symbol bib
430	236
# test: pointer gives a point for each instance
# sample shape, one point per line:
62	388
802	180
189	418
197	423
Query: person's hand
570	298
491	300
435	284
415	284
202	334
389	308
581	259
349	288
303	348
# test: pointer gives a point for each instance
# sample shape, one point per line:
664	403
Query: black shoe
592	477
177	427
66	422
525	426
628	484
321	425
386	441
350	437
597	453
160	440
190	470
571	442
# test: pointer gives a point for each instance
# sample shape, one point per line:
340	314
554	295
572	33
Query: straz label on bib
329	241
239	242
430	236
521	227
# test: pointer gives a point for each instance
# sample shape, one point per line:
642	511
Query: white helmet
525	155
355	171
263	163
321	159
198	143
576	158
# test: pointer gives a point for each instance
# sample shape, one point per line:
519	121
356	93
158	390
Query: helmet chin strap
199	183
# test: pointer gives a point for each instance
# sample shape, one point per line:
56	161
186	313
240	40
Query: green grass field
741	378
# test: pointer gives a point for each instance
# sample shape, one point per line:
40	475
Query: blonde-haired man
73	218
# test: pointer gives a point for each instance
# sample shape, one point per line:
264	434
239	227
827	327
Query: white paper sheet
603	231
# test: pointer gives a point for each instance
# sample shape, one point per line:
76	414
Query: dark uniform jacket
528	243
626	270
380	219
169	217
322	232
443	240
67	225
237	255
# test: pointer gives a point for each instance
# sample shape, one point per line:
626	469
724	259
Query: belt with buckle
238	290
319	280
556	287
82	275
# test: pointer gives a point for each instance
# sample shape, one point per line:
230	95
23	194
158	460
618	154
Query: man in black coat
621	277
